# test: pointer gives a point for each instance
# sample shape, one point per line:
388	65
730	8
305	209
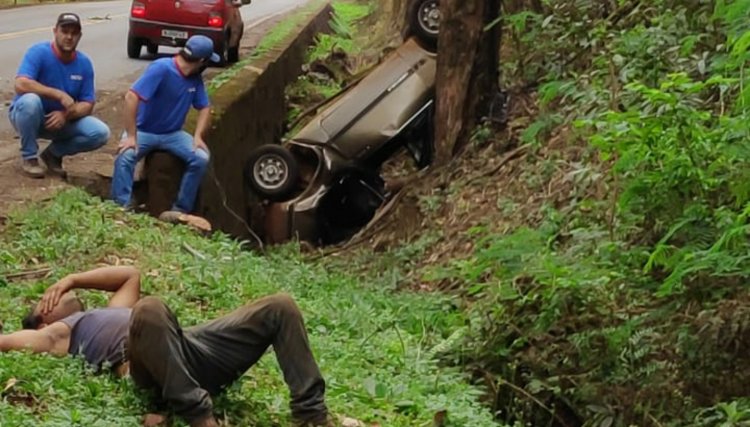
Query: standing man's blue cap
201	47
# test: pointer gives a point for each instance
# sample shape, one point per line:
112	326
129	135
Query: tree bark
467	71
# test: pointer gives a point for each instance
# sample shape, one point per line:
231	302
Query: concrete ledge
248	111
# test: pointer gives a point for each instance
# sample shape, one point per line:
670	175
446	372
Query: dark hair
31	320
189	58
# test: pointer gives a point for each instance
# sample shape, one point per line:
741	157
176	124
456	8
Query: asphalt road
105	31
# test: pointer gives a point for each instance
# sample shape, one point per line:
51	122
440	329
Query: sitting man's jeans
186	365
180	145
77	136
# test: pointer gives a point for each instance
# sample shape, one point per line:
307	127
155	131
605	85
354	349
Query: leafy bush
625	310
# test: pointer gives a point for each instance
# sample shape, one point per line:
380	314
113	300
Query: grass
343	26
375	346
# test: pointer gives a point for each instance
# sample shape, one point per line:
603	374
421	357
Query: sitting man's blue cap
201	47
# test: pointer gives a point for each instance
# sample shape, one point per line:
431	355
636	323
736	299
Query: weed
343	24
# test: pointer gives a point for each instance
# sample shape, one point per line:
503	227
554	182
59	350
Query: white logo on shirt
76	77
191	89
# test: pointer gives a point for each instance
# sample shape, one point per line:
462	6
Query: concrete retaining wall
249	111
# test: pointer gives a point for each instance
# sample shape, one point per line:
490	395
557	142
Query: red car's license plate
172	34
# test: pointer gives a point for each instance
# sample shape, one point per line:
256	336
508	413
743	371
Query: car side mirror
246	2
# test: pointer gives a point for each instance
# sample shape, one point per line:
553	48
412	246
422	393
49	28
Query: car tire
152	48
272	172
424	21
233	54
134	47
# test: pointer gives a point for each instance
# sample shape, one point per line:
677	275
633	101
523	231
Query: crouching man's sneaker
31	168
53	163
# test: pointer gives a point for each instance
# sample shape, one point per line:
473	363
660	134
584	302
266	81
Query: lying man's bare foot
154	420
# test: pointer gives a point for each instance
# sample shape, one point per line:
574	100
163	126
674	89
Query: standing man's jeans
186	366
77	136
179	144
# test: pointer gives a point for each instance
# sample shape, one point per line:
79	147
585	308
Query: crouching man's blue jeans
77	136
179	144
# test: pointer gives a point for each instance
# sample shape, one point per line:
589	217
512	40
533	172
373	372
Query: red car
155	23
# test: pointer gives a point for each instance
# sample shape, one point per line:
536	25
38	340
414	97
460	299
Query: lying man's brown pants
188	365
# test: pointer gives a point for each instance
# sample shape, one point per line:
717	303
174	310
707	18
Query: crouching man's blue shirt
43	63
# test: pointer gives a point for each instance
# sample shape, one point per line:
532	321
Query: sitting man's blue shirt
166	96
76	78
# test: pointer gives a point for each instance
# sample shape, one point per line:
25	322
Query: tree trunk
467	71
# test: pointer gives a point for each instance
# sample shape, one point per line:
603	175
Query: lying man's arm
37	341
125	282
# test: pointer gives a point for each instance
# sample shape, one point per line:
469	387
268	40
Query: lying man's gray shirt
100	336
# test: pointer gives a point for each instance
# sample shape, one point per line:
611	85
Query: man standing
155	110
185	366
54	99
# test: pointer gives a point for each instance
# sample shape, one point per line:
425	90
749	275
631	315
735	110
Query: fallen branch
370	228
27	274
533	399
192	251
364	232
508	157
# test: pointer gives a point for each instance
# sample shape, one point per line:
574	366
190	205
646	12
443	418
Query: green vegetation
606	285
376	348
343	27
618	293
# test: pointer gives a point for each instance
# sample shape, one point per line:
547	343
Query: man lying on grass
143	338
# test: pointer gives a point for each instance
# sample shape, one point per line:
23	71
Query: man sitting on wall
155	110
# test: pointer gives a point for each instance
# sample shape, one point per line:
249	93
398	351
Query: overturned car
323	184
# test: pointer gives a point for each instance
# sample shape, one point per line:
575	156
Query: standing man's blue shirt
166	96
76	78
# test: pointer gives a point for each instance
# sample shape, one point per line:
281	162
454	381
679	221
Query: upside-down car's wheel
272	172
424	21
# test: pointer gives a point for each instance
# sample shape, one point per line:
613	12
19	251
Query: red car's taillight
138	10
215	21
